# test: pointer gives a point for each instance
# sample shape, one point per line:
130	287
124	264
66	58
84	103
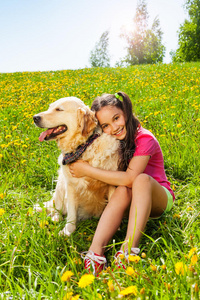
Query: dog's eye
59	109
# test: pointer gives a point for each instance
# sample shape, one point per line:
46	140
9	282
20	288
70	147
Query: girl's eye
116	118
104	126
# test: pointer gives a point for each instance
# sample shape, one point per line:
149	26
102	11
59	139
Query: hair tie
117	96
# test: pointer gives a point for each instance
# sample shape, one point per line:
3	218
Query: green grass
34	257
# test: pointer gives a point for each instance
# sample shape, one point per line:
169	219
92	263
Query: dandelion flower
180	268
43	224
2	211
129	290
153	268
111	286
134	258
194	259
196	288
130	271
176	216
67	275
143	255
86	280
142	291
68	296
193	250
75	297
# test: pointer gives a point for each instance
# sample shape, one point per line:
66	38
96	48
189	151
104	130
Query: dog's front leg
71	213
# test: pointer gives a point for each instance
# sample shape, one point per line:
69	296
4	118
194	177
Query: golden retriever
71	123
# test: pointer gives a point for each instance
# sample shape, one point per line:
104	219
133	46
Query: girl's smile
112	121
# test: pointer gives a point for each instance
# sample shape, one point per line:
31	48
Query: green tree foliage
189	35
99	57
144	44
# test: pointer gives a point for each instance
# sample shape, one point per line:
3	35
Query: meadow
37	263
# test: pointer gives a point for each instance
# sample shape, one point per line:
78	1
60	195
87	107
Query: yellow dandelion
129	290
134	258
179	125
68	296
167	285
1	155
190	208
143	255
196	288
75	297
121	256
130	271
163	267
153	268
176	216
67	275
111	286
1	195
192	251
86	280
2	211
43	224
194	259
142	291
180	268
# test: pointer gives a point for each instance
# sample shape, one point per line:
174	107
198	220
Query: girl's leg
148	199
111	219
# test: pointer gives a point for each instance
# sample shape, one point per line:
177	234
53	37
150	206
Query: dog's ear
86	121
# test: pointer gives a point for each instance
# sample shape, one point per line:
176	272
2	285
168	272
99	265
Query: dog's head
69	121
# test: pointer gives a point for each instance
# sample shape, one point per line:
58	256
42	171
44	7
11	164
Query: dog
75	129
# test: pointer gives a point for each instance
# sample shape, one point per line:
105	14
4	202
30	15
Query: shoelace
90	258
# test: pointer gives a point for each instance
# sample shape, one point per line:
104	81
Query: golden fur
78	198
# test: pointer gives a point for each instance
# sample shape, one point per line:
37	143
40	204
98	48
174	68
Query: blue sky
43	35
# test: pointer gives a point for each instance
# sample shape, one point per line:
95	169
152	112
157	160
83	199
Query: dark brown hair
127	146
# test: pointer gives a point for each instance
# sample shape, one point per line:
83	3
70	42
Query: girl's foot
93	262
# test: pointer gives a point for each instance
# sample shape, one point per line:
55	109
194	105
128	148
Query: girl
141	181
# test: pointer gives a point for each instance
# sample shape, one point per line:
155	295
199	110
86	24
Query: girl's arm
136	166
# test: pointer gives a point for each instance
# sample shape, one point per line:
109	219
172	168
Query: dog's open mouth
52	133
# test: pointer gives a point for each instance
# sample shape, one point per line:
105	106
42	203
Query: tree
144	44
189	35
99	57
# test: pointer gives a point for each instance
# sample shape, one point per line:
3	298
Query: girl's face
112	121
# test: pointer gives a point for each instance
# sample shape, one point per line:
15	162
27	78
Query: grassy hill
166	98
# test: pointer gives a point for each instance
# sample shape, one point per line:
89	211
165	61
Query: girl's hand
79	168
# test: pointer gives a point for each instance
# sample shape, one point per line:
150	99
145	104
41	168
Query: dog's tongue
45	133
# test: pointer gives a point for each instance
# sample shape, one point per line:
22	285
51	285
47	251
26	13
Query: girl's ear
86	121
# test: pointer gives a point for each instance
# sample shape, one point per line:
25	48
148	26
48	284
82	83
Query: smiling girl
141	182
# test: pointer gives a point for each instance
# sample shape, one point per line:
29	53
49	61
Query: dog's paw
56	217
68	229
37	208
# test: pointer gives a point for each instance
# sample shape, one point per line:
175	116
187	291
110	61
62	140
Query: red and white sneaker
93	262
123	255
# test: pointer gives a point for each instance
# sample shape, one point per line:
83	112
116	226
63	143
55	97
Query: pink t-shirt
147	144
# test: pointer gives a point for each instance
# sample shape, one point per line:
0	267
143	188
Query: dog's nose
36	119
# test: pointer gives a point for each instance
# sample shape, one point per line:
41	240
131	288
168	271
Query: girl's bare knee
142	179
